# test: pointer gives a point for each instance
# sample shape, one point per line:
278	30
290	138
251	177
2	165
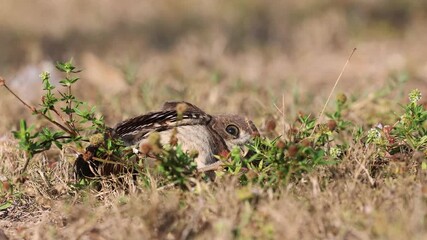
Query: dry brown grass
215	54
338	202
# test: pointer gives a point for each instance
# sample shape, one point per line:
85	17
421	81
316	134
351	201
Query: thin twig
108	161
277	108
214	166
34	110
56	123
332	91
74	133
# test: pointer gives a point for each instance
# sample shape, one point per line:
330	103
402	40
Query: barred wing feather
133	130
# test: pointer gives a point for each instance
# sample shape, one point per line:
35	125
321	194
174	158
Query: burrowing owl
209	135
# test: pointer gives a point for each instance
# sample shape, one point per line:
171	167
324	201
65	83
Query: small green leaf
5	205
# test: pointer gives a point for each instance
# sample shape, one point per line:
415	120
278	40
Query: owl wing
133	130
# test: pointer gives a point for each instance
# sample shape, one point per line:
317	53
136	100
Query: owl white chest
193	138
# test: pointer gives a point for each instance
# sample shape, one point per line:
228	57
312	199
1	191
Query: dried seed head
173	141
154	141
180	109
96	139
270	124
341	98
293	131
387	129
306	142
251	174
6	186
292	150
193	153
154	138
280	144
332	124
145	148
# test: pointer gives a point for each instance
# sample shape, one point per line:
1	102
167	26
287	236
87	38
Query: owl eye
232	130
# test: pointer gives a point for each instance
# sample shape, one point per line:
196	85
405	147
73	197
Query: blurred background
239	56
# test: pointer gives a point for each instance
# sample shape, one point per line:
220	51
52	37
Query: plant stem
34	111
27	161
71	128
70	104
56	123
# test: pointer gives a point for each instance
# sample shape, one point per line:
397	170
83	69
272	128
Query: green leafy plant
275	162
271	163
75	124
409	132
404	141
71	121
411	129
176	166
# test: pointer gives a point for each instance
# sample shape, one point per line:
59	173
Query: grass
335	180
360	175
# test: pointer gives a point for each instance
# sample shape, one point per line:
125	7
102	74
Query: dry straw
332	91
